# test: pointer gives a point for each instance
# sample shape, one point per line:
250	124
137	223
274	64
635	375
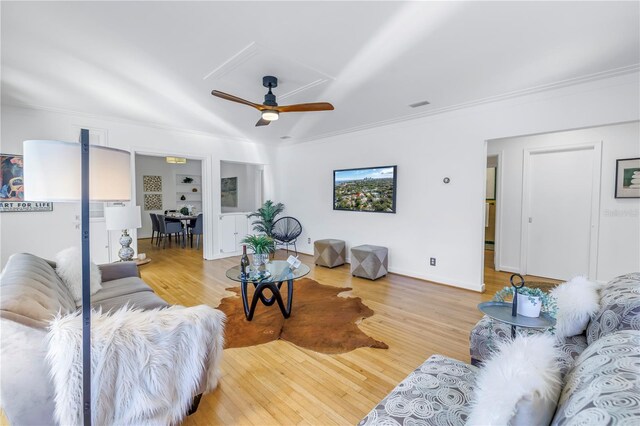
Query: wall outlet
308	240
432	261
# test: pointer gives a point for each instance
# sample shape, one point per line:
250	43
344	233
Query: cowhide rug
320	320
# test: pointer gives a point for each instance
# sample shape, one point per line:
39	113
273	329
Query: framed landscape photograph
370	189
229	192
628	178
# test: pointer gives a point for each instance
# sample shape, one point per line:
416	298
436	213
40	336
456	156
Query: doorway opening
168	185
542	220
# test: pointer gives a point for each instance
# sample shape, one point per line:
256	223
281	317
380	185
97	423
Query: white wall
147	165
434	219
619	219
44	234
246	174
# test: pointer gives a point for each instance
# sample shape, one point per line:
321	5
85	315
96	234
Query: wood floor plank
279	383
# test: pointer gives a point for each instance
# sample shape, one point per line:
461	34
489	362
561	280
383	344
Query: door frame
497	246
206	162
595	200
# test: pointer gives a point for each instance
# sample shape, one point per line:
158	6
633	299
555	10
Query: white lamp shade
52	172
119	218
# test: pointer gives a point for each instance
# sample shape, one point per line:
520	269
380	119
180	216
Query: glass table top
276	271
501	311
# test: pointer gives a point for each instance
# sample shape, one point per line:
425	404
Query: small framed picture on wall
628	178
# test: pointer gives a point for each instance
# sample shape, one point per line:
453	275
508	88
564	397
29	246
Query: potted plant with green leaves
262	246
266	217
531	301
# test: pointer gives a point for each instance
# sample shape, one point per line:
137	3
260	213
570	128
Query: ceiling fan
270	109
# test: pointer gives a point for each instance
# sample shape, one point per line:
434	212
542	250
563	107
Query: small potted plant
530	301
187	179
261	245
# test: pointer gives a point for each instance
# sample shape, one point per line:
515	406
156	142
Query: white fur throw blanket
146	365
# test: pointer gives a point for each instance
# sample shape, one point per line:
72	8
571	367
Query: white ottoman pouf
369	261
329	253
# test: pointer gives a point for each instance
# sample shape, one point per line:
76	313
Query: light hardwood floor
279	383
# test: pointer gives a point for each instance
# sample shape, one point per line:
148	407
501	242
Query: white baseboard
439	280
512	269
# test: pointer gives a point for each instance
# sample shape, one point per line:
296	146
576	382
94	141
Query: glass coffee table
276	273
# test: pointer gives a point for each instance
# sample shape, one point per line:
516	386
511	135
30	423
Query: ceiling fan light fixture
270	115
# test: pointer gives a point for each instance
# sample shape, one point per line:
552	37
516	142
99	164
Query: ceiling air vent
419	104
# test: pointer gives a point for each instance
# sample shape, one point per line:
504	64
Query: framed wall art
152	183
628	178
12	187
229	192
153	201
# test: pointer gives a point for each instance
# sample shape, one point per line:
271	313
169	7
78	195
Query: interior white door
559	213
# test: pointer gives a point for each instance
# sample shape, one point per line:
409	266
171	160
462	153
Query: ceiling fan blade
262	122
315	106
232	98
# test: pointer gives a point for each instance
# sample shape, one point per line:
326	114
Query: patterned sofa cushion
436	393
487	333
619	307
604	385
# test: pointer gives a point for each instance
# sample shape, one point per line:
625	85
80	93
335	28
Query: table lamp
123	218
71	172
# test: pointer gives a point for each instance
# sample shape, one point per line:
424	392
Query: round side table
502	311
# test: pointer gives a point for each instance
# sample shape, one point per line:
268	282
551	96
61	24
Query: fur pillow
519	384
577	300
69	268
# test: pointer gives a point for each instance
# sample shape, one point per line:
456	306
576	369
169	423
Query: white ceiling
158	62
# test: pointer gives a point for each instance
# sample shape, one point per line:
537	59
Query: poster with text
12	187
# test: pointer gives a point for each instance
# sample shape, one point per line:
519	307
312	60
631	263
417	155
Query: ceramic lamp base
126	252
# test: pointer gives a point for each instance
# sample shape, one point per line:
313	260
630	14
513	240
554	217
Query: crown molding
505	96
127	121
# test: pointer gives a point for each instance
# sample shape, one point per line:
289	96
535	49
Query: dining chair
155	227
168	228
197	230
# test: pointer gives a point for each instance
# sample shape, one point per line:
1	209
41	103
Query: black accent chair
155	226
285	232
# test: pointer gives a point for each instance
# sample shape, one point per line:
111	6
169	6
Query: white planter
528	308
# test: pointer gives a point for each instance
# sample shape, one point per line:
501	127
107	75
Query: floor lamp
71	172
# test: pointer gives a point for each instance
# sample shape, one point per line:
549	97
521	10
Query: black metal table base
267	301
